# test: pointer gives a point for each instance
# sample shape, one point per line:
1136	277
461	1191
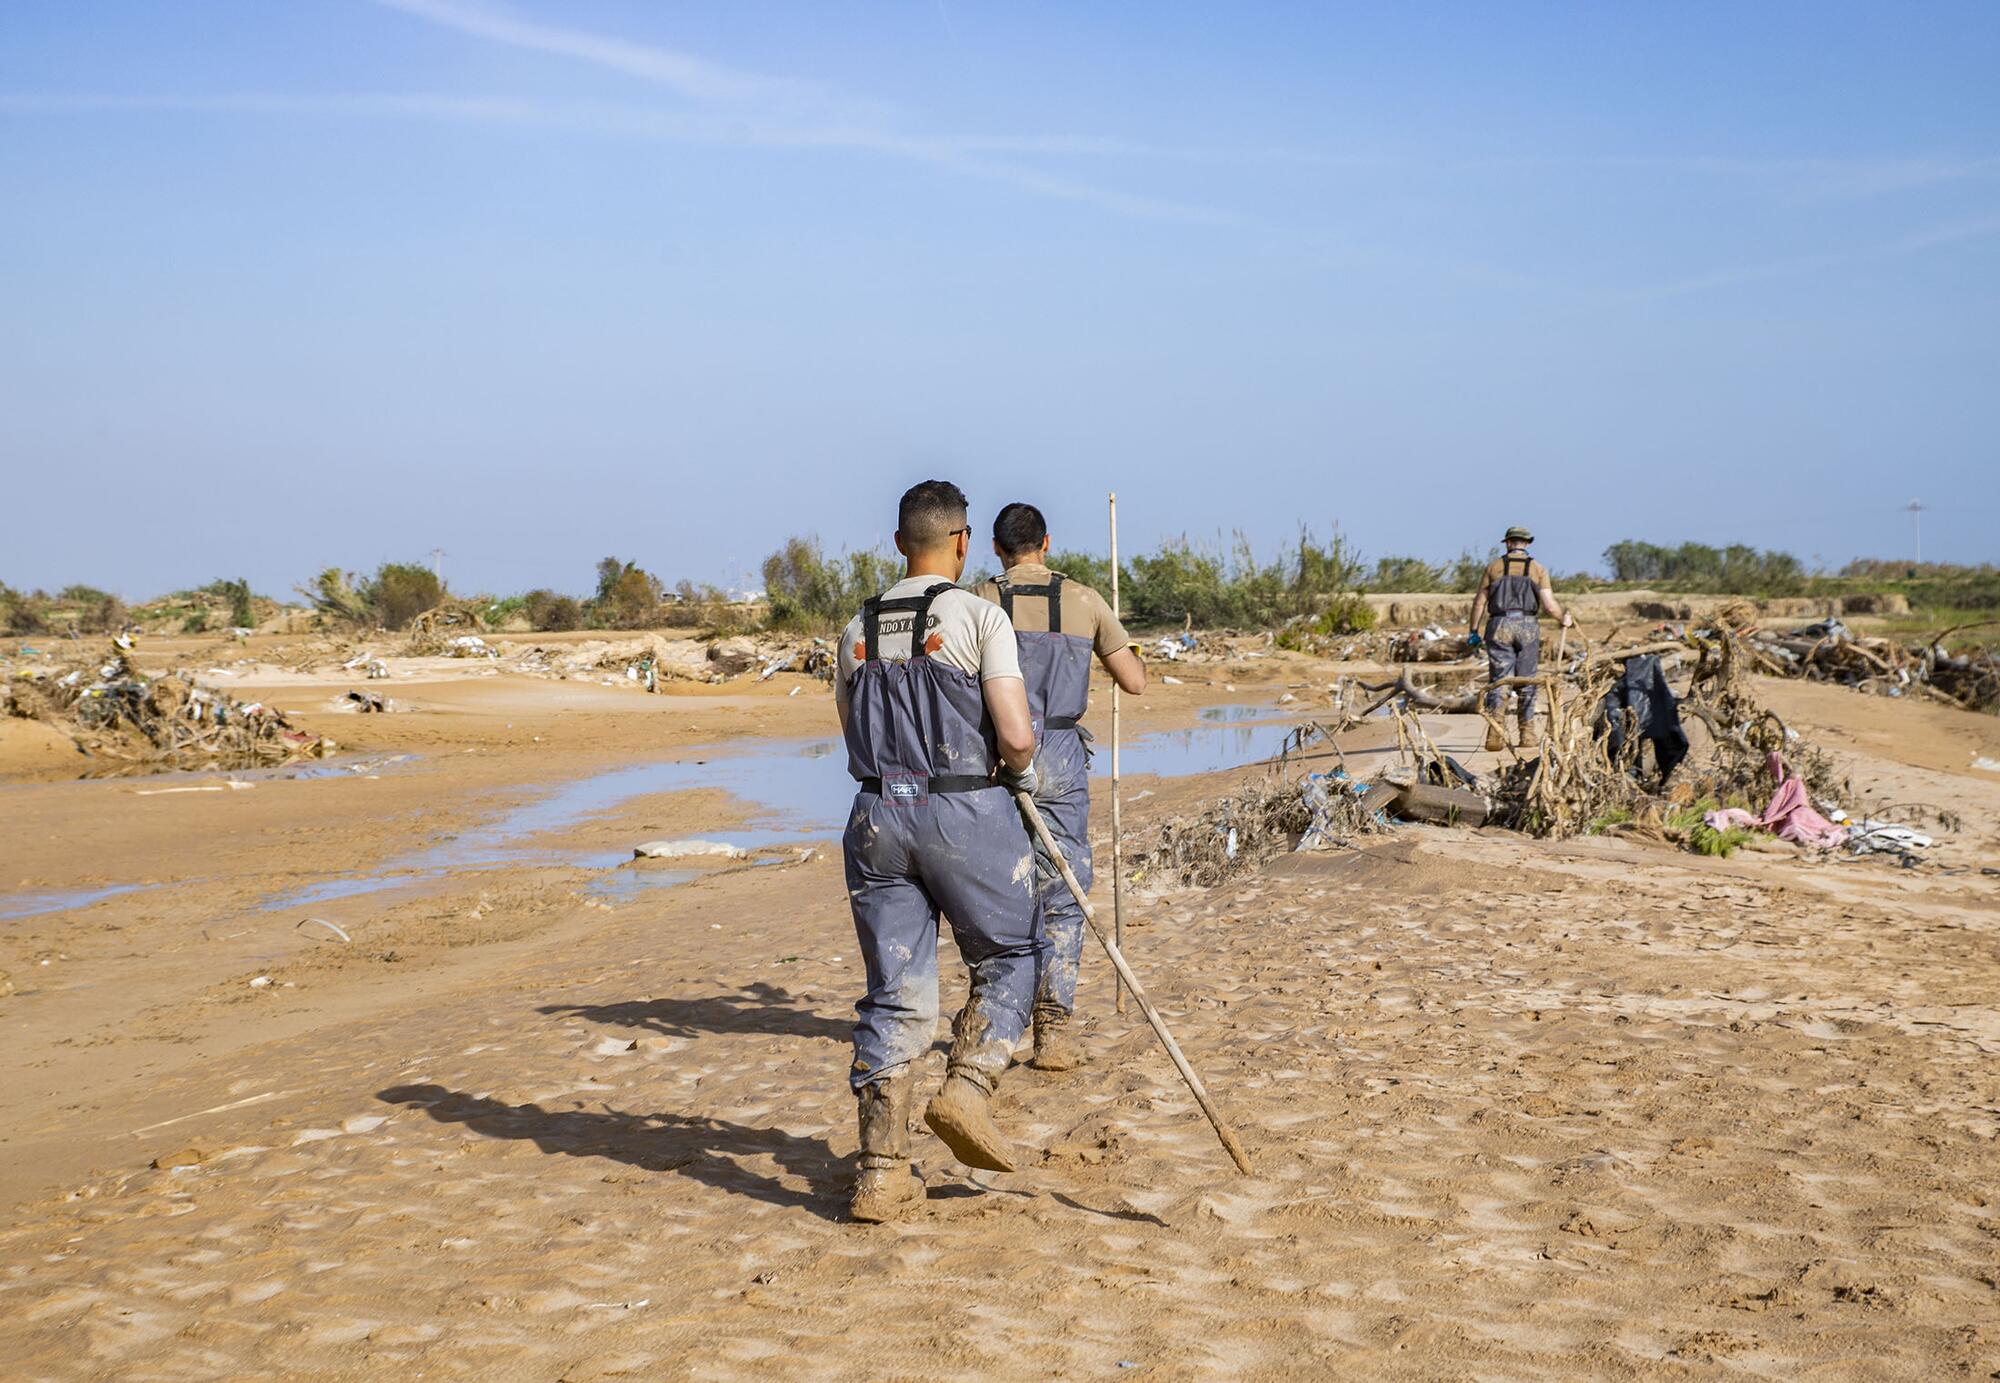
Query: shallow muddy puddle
797	790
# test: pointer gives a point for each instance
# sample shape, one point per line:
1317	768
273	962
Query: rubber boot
1496	738
1056	1047
1531	733
885	1185
962	1115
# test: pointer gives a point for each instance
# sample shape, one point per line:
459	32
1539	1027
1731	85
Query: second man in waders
1060	626
938	737
1514	591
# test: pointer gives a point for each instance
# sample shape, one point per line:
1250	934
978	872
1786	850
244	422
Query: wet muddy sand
1590	1109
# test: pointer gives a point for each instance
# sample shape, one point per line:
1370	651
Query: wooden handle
1230	1143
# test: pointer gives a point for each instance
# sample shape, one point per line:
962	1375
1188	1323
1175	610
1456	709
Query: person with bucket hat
1513	593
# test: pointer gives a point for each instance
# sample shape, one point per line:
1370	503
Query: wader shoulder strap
1507	564
1052	593
919	607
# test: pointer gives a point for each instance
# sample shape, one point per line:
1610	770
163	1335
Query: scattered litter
683	849
137	723
1986	765
322	922
228	785
261	982
614	1046
1171	681
468	646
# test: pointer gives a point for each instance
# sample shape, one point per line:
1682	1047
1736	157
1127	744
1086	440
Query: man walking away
1059	624
1513	592
938	734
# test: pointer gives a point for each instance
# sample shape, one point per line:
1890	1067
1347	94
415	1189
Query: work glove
1473	640
1046	867
1024	781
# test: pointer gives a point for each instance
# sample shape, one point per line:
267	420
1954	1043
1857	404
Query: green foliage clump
1185	583
395	595
242	613
809	590
1092	571
1734	570
21	613
628	596
1401	575
550	613
400	591
1704	839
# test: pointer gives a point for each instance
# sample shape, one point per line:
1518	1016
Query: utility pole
438	555
1916	508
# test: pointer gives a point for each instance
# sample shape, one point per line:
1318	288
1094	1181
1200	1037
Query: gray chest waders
1056	667
931	833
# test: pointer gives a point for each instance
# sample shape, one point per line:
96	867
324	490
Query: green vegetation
1732	570
395	595
548	612
21	613
1183	583
809	590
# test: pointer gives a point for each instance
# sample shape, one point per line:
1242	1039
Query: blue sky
335	281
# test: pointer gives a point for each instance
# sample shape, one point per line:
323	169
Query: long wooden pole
1117	801
1230	1143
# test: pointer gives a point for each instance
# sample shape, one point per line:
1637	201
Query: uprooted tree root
1575	783
128	722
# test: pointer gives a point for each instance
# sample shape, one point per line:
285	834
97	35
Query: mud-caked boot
1531	733
885	1185
1496	738
962	1115
1056	1047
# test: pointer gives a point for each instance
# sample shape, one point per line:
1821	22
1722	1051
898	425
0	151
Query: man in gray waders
1513	592
938	735
1060	624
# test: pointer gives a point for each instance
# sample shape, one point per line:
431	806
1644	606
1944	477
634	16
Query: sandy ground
1519	1109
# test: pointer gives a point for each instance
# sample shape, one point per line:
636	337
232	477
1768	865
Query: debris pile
134	723
1275	815
452	628
1828	651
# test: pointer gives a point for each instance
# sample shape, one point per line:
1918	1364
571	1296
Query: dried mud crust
1570	1111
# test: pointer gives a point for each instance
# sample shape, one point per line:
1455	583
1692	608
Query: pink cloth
1790	816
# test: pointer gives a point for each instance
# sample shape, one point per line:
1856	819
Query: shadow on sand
759	1008
705	1149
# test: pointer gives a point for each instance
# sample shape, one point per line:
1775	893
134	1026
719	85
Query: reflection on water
797	790
1238	712
60	900
784	780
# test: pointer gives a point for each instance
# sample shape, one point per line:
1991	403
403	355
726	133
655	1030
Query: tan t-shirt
965	632
1537	573
1084	611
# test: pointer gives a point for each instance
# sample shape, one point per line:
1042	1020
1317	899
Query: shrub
1184	583
1094	572
401	591
196	623
21	613
242	614
628	596
550	613
1402	574
809	590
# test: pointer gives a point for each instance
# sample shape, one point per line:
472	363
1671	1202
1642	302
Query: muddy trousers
967	855
1513	649
1063	927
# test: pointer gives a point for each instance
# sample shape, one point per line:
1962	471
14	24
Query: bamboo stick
1230	1143
1117	800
